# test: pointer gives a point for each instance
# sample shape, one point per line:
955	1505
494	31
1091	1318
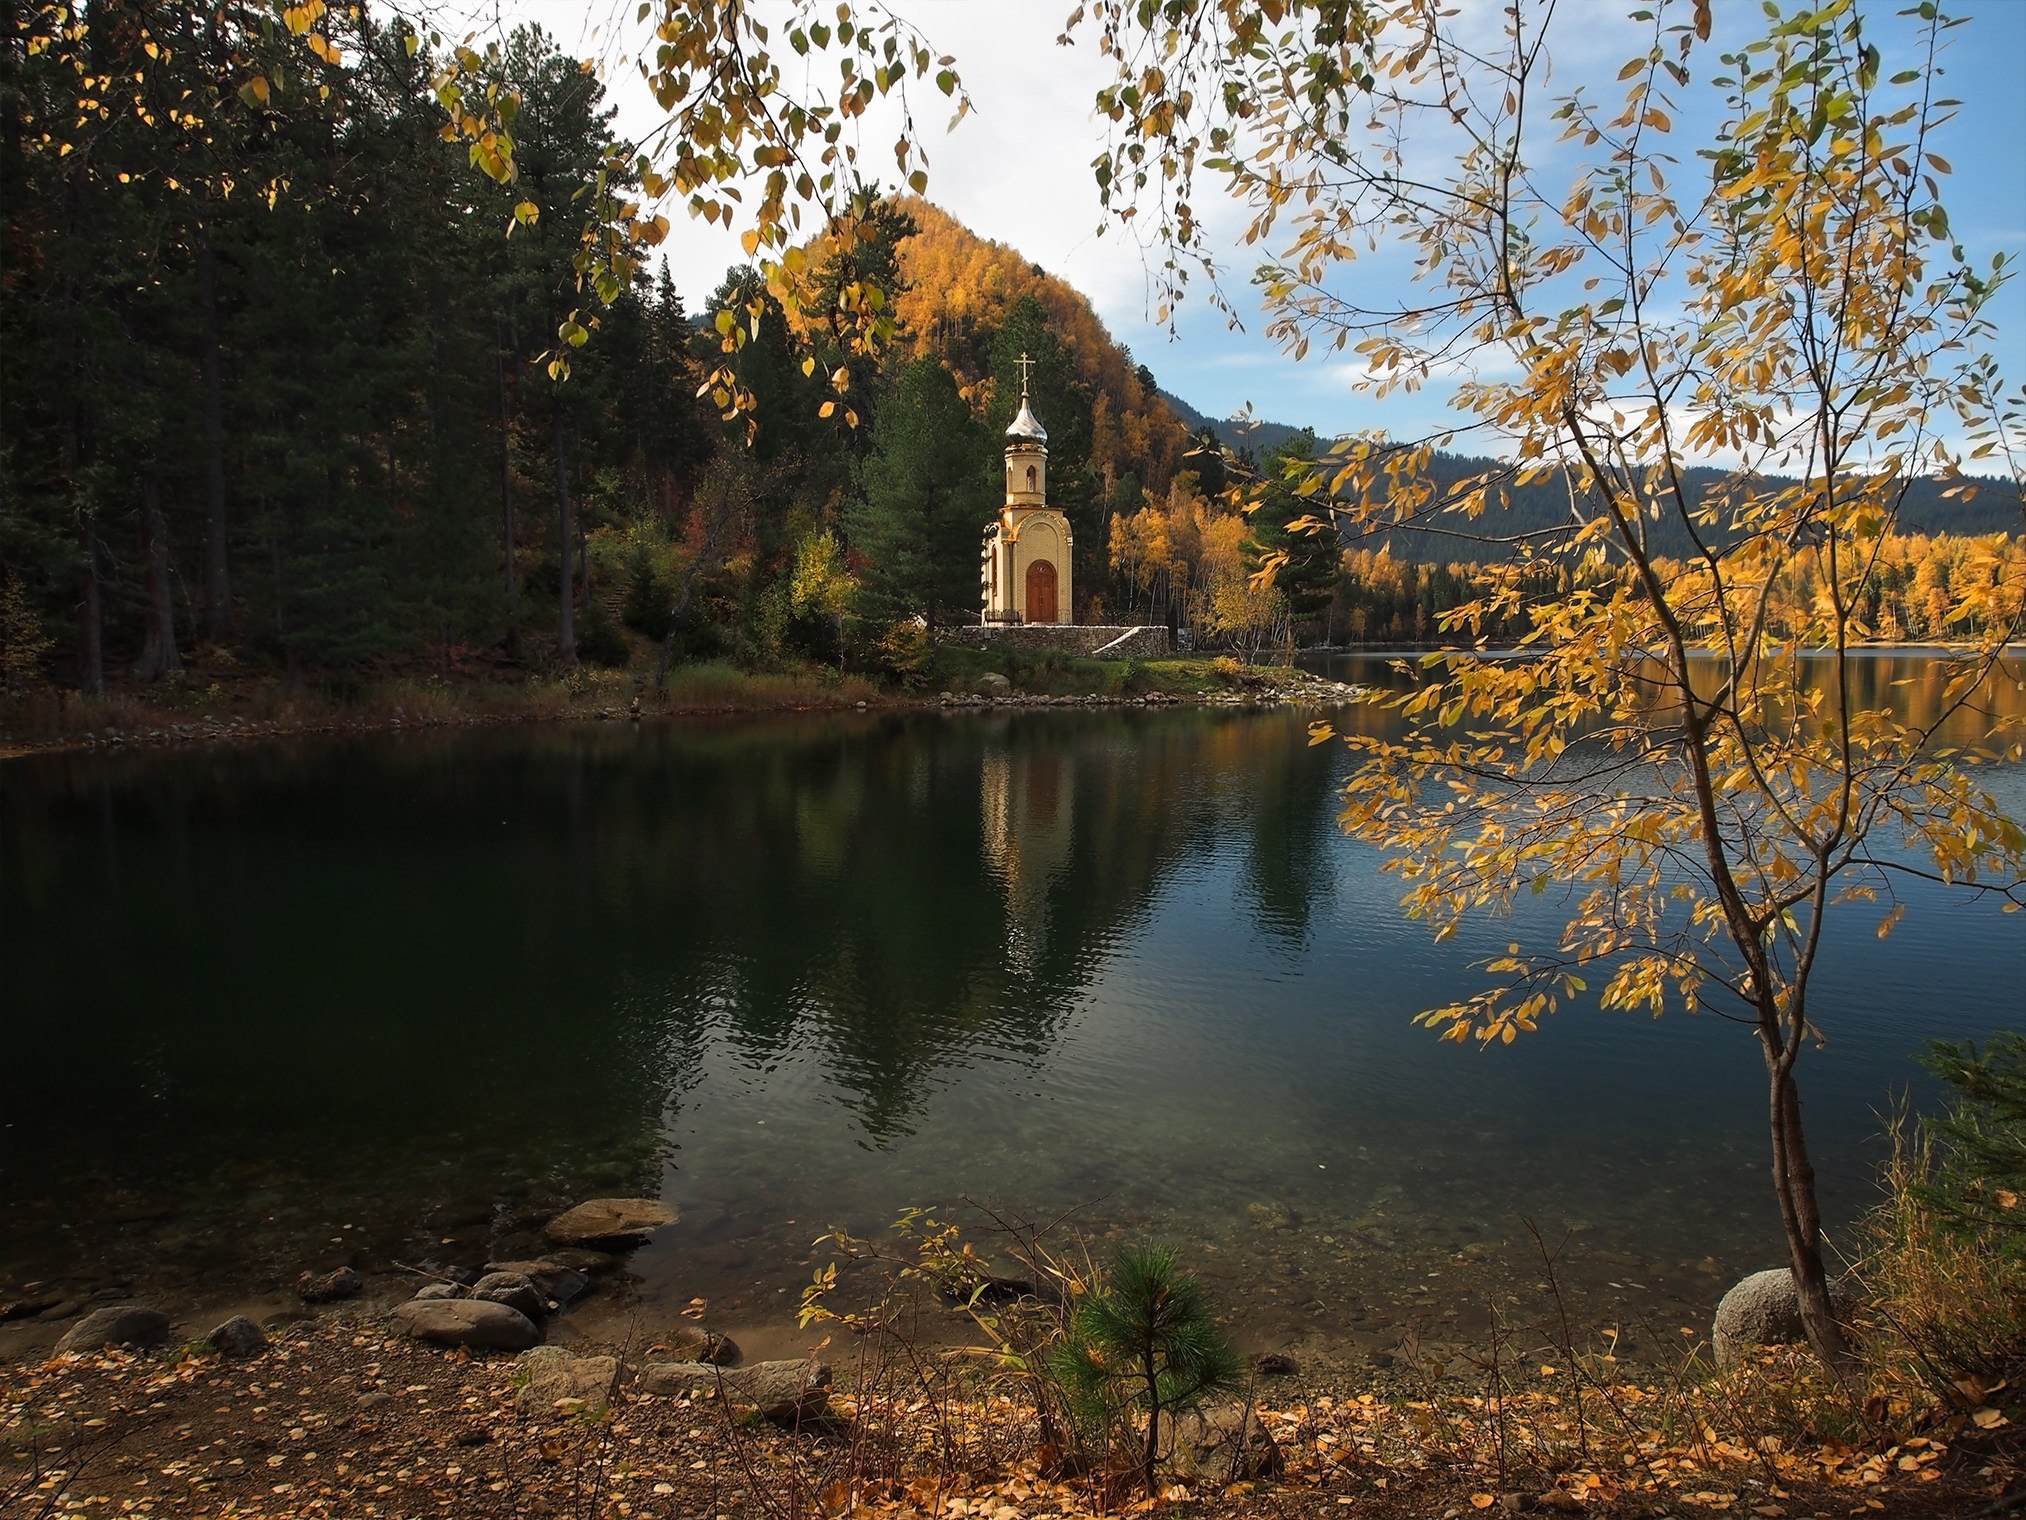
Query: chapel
1025	569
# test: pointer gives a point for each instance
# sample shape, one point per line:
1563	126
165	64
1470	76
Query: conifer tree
926	500
1146	1344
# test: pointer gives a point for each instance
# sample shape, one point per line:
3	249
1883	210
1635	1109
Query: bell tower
1025	574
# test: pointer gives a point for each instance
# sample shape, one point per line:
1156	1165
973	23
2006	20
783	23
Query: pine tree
926	500
1980	1182
1145	1344
1307	558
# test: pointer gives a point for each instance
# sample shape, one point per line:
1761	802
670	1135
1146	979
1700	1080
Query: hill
961	288
1992	507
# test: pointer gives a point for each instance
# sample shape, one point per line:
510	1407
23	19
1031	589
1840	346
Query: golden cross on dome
1025	365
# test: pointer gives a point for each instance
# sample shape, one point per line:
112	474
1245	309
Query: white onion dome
1025	426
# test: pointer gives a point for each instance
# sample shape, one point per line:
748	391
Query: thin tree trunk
1153	1451
158	650
91	659
217	577
566	632
506	496
1800	1213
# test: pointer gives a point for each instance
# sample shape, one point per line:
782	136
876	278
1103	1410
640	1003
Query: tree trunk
506	496
91	659
566	594
1800	1214
217	578
1152	1454
158	650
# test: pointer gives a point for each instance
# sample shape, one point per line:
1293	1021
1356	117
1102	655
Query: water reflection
406	993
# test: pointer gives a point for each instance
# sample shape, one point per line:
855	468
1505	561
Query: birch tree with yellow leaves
1780	297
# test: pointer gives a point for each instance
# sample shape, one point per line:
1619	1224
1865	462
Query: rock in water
1273	1364
785	1392
1765	1310
329	1287
467	1322
118	1325
693	1344
238	1339
512	1289
610	1219
557	1376
577	1259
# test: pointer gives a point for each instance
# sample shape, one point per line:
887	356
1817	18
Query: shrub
600	641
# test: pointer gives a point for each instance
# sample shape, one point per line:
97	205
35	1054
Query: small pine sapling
1144	1344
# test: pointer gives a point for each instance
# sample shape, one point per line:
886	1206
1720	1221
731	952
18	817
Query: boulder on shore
467	1322
1765	1310
512	1289
560	1377
992	684
785	1392
610	1219
692	1343
552	1279
116	1325
239	1339
1222	1443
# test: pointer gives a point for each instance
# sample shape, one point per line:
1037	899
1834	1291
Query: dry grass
212	702
1944	1332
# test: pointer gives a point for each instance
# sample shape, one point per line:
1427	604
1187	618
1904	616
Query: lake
397	996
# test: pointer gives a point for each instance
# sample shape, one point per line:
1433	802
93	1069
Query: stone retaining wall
1105	641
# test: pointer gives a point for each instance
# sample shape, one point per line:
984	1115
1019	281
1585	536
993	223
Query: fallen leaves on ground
339	1418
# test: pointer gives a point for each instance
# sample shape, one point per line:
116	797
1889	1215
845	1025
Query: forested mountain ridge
1991	506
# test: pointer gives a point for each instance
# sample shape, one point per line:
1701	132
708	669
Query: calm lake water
395	997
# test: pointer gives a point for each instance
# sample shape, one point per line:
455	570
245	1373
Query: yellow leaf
1481	1501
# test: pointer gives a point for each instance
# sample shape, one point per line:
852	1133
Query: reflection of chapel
1026	560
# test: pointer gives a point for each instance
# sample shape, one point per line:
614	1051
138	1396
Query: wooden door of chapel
1041	592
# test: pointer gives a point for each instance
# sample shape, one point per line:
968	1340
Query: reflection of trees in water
540	935
900	900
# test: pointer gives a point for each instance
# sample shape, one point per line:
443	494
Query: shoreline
135	719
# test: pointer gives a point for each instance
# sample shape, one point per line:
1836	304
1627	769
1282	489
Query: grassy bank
212	701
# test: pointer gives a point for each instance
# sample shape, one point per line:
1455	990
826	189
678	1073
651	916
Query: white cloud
1018	171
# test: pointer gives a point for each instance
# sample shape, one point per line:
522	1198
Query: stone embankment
1299	690
1099	641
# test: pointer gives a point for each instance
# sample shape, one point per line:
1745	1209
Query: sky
1017	171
